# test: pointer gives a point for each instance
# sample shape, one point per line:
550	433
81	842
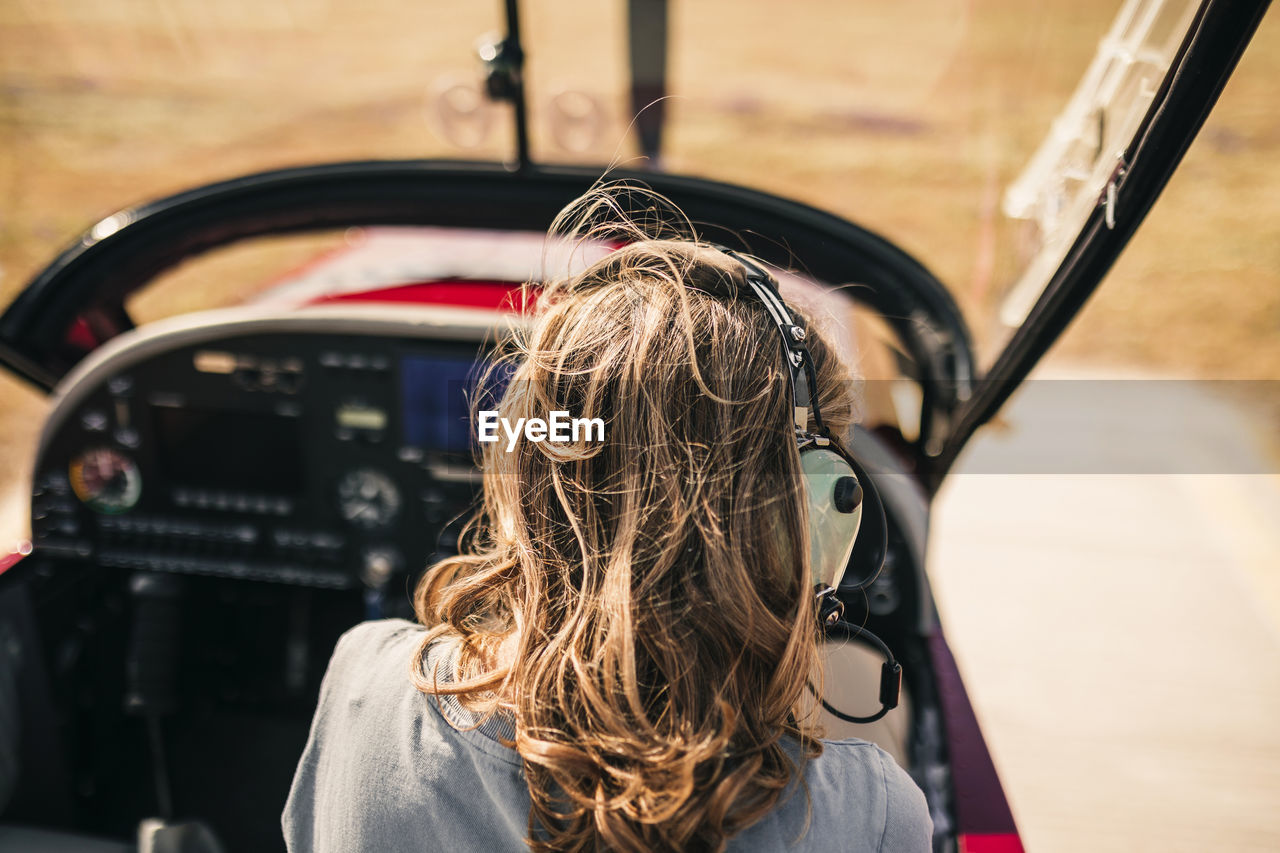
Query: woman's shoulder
372	638
856	771
370	666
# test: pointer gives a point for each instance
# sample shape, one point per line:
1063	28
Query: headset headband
795	354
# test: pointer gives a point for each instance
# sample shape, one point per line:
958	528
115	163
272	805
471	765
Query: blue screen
435	392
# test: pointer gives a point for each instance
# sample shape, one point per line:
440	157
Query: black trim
647	40
1208	55
521	109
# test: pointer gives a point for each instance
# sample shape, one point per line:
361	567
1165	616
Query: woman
618	658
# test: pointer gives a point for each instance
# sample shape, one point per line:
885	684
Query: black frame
127	250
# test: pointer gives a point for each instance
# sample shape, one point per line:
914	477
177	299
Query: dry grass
909	118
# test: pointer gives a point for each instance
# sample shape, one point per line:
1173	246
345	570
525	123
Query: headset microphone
839	494
890	679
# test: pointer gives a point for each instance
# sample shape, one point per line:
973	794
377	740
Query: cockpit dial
106	480
368	498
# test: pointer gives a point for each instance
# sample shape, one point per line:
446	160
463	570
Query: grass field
910	118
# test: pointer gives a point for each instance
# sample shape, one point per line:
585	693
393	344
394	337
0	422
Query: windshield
107	103
912	119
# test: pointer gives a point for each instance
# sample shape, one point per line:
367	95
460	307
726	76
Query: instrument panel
329	447
311	449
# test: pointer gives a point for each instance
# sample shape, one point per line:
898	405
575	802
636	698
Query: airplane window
233	274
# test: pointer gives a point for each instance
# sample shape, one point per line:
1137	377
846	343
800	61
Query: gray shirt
387	768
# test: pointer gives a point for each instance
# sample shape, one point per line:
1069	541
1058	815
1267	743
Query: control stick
151	667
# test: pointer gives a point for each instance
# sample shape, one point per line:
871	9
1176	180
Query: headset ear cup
872	543
834	509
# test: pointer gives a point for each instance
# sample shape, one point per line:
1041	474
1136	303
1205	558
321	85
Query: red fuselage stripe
1004	842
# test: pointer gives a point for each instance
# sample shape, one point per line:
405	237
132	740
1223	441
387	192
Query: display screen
259	452
436	392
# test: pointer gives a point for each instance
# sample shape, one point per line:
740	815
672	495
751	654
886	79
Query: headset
847	526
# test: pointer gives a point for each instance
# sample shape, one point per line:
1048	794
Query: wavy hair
642	606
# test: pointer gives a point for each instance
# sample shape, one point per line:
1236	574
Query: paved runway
1119	629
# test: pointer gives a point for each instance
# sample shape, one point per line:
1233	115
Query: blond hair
655	584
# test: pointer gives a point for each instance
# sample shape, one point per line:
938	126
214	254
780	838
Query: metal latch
1110	193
